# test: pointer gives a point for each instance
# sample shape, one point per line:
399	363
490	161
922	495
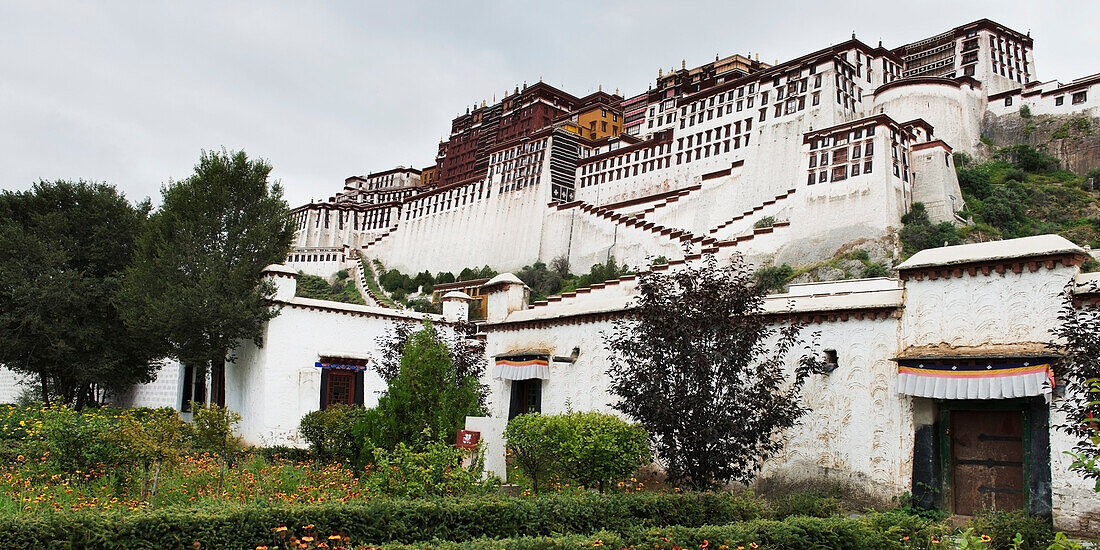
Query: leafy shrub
393	521
1002	528
282	452
918	232
811	504
330	432
589	447
1030	159
529	441
875	269
434	471
212	427
766	221
428	398
773	278
81	443
1025	111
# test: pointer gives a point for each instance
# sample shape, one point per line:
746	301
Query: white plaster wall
163	391
12	385
955	113
1076	504
1010	309
275	386
835	440
859	432
935	183
321	269
503	231
971	312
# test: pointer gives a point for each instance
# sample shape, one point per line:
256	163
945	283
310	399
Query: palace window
1080	97
1060	100
840	173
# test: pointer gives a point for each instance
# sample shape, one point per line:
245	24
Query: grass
372	283
342	289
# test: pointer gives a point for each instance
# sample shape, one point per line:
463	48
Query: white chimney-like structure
285	279
505	294
456	306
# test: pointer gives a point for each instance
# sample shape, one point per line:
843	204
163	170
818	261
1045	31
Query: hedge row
887	531
378	521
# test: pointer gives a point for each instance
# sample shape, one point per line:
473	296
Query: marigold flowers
985	538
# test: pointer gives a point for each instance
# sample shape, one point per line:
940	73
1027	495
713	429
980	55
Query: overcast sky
130	93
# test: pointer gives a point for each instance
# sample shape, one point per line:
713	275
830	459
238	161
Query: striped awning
974	379
523	368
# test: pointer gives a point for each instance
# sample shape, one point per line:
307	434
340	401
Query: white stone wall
837	441
275	386
1011	309
935	183
955	112
12	385
163	391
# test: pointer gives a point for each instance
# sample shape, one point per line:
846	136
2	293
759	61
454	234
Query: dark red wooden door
987	460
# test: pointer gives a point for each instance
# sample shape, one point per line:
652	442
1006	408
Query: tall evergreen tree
64	247
429	395
195	281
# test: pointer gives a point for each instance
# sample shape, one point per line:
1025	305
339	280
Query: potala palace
942	375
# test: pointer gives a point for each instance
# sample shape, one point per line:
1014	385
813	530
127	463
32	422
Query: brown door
987	460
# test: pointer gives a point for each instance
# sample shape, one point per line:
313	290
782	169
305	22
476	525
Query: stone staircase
751	212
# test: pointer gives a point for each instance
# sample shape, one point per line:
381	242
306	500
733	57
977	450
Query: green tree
918	232
702	368
64	247
195	280
427	400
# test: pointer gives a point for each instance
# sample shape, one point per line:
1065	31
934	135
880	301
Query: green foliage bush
426	401
1002	528
875	269
810	504
435	470
590	448
773	278
919	233
484	523
330	432
342	289
766	221
1029	158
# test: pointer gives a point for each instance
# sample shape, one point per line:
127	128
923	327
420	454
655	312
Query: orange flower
705	544
261	547
597	543
280	529
985	538
935	540
906	537
310	526
307	539
753	545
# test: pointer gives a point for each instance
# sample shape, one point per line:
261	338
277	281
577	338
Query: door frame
1036	432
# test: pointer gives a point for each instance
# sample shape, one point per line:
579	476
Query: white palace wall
954	108
274	386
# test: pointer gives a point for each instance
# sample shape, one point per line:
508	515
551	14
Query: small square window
1060	100
1080	97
